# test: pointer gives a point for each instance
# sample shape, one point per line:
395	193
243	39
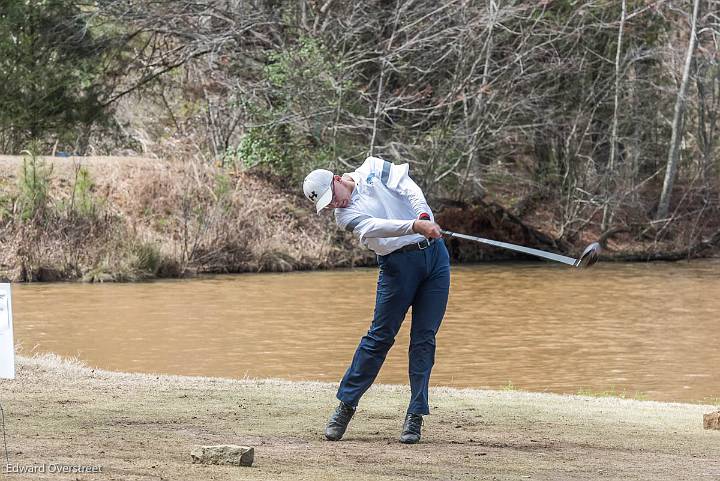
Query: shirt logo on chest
370	178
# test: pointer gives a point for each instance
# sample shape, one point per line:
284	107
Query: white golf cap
317	187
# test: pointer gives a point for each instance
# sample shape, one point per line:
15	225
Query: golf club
590	255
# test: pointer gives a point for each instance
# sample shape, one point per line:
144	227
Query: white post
7	347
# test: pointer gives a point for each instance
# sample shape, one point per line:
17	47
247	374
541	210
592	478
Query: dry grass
164	219
155	218
144	427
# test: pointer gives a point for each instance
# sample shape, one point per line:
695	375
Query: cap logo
313	195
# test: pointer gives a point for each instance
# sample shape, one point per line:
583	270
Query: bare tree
505	96
607	215
677	124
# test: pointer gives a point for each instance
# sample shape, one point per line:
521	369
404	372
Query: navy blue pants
420	279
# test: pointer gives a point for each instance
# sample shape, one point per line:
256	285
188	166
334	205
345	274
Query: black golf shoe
411	429
338	422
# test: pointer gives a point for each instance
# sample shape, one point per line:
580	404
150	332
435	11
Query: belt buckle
423	245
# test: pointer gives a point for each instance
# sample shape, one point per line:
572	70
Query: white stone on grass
224	454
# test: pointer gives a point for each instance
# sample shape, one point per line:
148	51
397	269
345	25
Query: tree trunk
607	209
677	124
383	65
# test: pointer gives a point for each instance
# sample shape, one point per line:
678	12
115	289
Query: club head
590	256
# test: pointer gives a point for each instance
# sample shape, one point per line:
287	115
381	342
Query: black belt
415	246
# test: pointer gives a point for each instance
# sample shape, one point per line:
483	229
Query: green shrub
82	200
284	152
6	205
262	146
148	258
34	181
307	83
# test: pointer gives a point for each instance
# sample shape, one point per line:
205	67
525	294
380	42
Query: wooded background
602	114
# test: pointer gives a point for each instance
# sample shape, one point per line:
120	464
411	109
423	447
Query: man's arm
400	180
412	192
397	178
368	227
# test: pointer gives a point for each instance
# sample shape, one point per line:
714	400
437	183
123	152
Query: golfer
382	205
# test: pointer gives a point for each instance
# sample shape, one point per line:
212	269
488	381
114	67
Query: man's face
341	192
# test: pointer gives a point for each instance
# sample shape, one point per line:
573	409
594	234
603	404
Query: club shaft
526	250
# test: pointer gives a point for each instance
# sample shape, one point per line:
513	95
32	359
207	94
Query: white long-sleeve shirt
383	206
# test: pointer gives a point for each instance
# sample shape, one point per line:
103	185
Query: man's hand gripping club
427	228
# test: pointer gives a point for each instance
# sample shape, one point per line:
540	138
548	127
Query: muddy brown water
646	330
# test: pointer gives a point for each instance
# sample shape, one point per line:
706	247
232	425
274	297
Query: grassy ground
140	427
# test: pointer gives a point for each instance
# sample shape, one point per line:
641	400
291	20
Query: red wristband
424	216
